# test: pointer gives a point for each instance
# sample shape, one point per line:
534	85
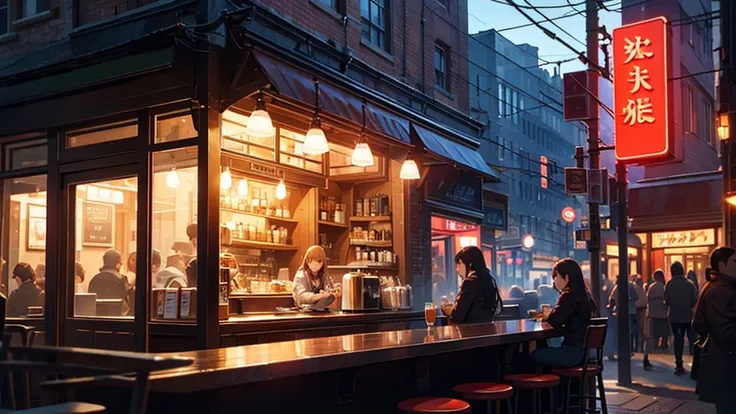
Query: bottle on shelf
358	208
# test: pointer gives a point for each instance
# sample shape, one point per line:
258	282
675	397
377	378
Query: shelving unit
271	218
369	243
370	219
249	244
333	224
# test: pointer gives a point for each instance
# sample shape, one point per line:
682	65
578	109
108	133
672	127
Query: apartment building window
708	117
501	147
28	8
374	17
4	17
440	67
515	107
336	5
500	96
507	102
690	111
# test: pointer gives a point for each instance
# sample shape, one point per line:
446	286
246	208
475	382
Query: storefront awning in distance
298	85
455	153
677	203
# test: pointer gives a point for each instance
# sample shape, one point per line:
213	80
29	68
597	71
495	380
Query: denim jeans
561	357
679	330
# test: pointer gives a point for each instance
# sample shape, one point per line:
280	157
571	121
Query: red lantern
519	261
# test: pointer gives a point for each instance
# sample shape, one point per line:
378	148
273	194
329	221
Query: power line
629	6
556	25
521	26
530	7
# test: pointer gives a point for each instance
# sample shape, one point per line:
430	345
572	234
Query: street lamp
731	198
723	130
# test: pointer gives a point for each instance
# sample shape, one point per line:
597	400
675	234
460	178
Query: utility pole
594	246
622	297
727	105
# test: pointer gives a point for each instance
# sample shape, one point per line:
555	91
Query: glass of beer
430	313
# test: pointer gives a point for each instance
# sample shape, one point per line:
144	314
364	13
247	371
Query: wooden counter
234	366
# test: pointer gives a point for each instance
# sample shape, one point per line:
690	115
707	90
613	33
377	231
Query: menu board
98	221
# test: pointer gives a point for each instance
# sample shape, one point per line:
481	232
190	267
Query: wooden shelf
370	218
262	245
333	224
272	218
365	265
369	243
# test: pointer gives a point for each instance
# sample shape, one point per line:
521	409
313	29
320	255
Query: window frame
8	19
20	15
366	22
441	74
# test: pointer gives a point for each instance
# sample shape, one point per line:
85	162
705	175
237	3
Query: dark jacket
633	297
108	284
681	296
715	317
27	294
567	315
470	305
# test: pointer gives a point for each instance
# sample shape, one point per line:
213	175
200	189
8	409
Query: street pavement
658	391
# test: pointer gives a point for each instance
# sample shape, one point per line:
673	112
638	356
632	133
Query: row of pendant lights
315	142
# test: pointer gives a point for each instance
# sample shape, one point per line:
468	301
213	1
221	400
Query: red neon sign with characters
641	96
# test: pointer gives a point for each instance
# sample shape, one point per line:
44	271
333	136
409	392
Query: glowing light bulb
243	187
362	155
409	170
281	190
226	179
172	179
259	124
315	142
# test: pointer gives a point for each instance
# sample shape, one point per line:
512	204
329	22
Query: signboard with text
689	238
641	96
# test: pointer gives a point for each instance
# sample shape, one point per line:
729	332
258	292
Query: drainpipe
424	61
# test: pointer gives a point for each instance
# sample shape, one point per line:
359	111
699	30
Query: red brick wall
403	62
57	27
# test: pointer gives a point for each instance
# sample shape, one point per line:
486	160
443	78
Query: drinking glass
430	314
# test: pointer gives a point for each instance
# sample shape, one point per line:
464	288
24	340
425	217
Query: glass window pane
364	5
173	127
26	154
104	248
102	133
173	239
234	137
23	257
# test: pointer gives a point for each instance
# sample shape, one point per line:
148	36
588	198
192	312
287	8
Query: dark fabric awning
680	202
454	152
299	85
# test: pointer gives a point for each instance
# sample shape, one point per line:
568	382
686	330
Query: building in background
527	139
676	209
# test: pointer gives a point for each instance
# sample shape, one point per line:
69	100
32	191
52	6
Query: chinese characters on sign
692	238
641	91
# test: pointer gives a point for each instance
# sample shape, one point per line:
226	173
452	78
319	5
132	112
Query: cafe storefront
161	179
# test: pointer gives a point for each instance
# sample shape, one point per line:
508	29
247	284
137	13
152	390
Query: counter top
227	367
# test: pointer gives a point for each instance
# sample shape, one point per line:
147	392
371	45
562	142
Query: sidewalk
657	391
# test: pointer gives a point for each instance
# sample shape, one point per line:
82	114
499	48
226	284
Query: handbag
700	351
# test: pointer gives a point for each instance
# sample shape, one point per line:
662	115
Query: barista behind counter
312	285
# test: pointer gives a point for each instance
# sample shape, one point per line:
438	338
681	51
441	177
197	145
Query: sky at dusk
487	14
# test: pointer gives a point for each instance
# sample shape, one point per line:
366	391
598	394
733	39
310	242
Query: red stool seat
488	391
433	405
577	372
532	381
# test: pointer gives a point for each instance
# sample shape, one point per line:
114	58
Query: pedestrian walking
657	326
641	310
680	296
715	322
633	297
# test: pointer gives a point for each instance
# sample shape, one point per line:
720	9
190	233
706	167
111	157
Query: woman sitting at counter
311	283
574	309
478	299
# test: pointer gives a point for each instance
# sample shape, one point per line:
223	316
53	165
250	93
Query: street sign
569	215
598	186
575	96
543	170
576	181
641	100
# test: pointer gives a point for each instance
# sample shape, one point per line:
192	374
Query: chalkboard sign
98	221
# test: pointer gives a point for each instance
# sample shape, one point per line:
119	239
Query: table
229	367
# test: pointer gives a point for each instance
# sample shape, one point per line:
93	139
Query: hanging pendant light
226	179
409	170
259	123
281	190
315	143
243	187
362	155
172	178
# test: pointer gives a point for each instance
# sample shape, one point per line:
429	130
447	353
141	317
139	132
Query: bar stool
595	338
433	405
489	392
536	383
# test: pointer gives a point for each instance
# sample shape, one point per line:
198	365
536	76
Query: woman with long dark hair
574	309
715	322
478	299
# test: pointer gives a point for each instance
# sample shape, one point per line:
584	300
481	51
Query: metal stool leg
508	406
552	407
602	390
516	401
